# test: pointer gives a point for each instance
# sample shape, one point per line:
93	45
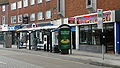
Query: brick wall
44	6
4	13
75	7
78	7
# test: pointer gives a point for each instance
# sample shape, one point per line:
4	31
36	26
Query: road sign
100	26
99	18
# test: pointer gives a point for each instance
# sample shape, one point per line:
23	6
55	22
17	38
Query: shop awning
38	28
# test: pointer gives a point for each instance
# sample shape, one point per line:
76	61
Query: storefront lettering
93	18
71	21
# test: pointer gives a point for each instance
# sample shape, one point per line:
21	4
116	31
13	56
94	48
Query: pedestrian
35	43
17	41
23	40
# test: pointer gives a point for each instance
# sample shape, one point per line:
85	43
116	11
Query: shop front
42	33
7	36
90	37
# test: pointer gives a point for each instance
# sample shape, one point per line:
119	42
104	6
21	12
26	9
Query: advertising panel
64	38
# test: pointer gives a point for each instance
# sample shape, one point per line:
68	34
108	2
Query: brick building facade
4	12
78	7
72	8
43	6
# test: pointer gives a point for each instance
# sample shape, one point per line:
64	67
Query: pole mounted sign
100	26
100	18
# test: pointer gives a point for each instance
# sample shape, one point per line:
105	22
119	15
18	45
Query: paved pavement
111	60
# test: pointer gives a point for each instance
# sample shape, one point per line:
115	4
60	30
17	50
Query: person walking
35	43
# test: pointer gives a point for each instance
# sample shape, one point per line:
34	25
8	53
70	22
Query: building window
32	2
39	1
26	15
32	17
40	16
19	18
13	19
25	18
89	2
13	6
25	3
47	0
3	19
19	4
61	7
48	14
91	5
3	8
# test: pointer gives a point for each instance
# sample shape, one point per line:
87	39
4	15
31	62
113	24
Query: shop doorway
109	38
73	40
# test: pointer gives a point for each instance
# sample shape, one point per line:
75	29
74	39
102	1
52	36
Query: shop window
85	34
39	36
90	35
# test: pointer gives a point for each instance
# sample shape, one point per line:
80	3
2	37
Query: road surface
16	59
